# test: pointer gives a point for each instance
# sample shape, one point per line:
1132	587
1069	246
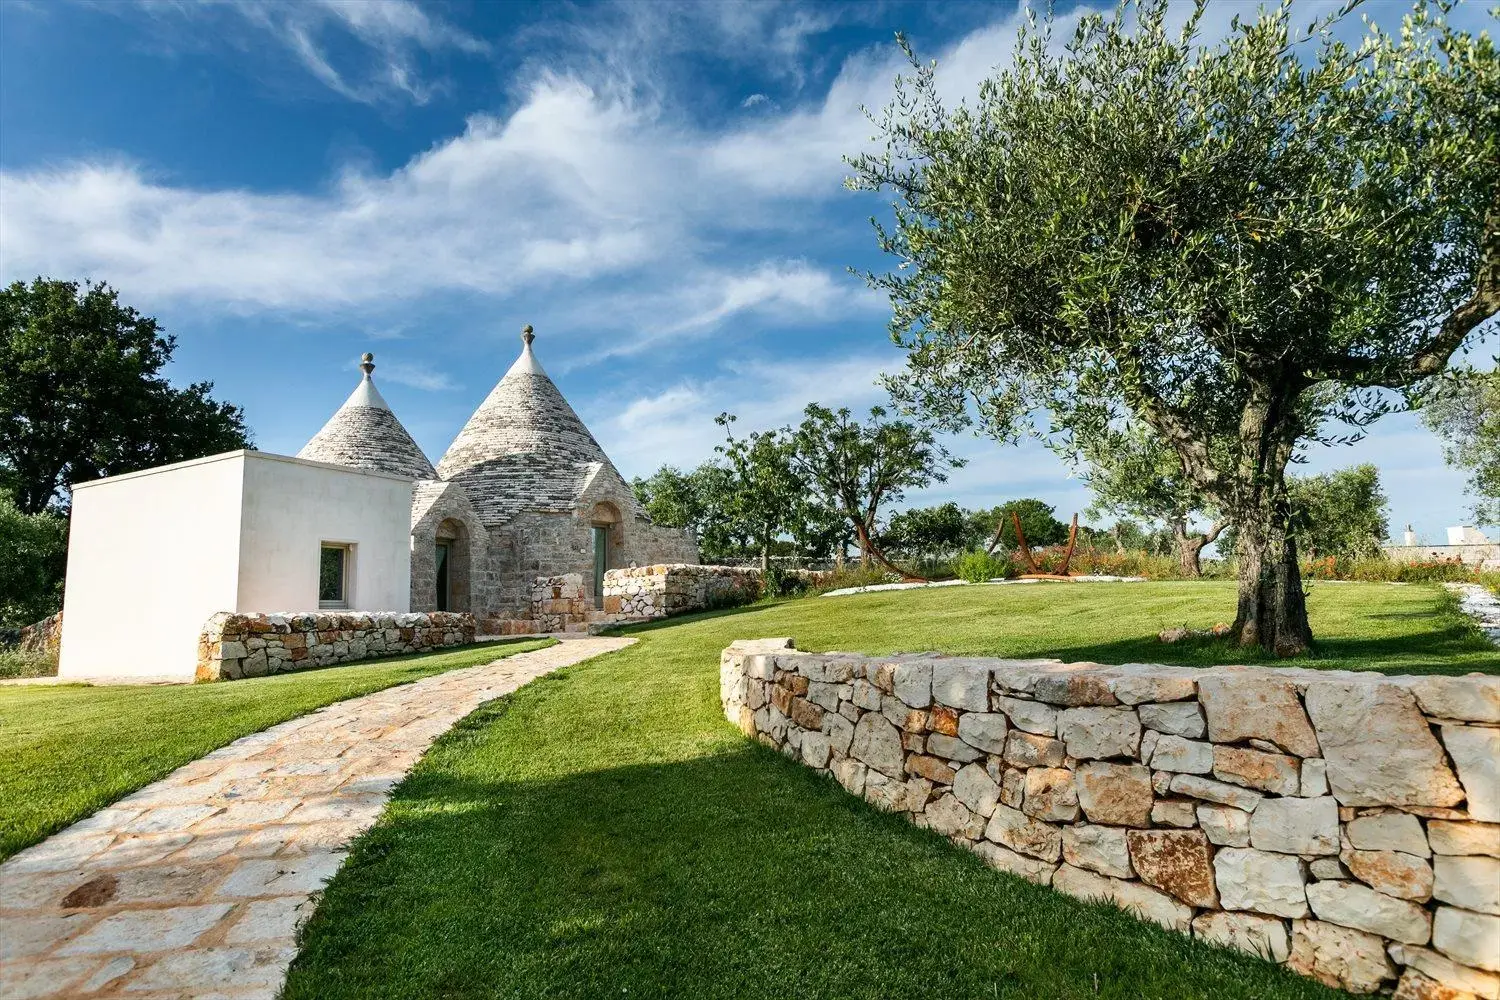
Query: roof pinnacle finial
367	363
527	336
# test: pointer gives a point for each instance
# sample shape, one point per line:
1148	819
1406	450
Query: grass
604	832
69	750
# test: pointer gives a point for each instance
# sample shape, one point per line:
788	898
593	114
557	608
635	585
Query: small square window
333	576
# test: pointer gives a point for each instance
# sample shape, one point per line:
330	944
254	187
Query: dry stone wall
644	592
1344	824
232	646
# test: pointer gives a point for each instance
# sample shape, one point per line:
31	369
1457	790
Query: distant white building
1466	535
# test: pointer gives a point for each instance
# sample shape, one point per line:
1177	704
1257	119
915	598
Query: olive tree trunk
1272	612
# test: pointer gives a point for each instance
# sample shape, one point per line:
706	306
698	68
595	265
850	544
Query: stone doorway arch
607	525
452	590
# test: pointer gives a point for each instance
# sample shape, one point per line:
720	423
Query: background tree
1133	474
1464	411
35	549
81	395
925	533
671	498
855	467
1341	513
762	491
995	528
1233	243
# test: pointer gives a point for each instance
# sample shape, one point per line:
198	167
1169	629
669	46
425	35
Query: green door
442	576
601	550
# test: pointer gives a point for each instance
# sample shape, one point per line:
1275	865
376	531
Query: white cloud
392	40
417	376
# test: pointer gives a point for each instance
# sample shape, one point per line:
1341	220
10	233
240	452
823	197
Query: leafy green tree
1340	513
1465	412
925	532
1236	243
995	528
854	468
1133	474
763	490
35	548
81	395
670	498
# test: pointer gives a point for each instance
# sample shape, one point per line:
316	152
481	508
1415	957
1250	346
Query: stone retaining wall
44	637
644	592
232	646
1345	824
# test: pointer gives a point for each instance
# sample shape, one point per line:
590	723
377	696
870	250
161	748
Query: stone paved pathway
195	886
1478	603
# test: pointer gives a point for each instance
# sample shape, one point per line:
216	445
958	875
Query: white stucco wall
292	506
152	555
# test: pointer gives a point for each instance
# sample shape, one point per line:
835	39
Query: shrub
854	575
781	582
979	566
1378	568
22	663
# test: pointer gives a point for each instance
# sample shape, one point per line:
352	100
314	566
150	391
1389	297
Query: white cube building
153	555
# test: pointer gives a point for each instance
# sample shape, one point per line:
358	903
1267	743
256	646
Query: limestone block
1174	753
1102	849
849	774
824	695
1389	831
1415	986
1470	882
1379	748
1049	795
1144	902
1094	733
1265	937
961	685
1014	829
952	748
1007	860
1031	750
952	818
1448	972
985	730
1174	812
1404	876
1031	716
1135	683
1470	699
866	695
944	720
914	683
805	714
1178	862
1467	937
976	789
1215	791
930	768
1248	879
1464	838
840	732
815	749
878	744
1314	777
1267	772
1339	957
1296	826
1177	718
1013	787
1072	689
1476	754
883	792
1225	826
1114	794
1350	904
1242	706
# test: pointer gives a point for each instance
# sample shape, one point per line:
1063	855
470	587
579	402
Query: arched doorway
452	566
604	520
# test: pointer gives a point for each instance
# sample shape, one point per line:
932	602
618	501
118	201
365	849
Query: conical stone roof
525	448
365	434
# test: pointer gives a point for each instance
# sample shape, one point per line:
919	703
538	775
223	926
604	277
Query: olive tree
1238	243
1465	412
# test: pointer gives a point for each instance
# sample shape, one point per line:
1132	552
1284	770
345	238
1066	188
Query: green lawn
69	750
604	832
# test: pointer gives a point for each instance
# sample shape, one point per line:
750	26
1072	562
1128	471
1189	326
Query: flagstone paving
195	886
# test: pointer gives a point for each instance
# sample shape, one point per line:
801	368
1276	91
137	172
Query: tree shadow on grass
737	875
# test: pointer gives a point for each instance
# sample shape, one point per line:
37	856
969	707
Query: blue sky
656	188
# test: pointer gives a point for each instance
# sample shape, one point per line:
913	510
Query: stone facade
44	637
1344	824
645	592
232	646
